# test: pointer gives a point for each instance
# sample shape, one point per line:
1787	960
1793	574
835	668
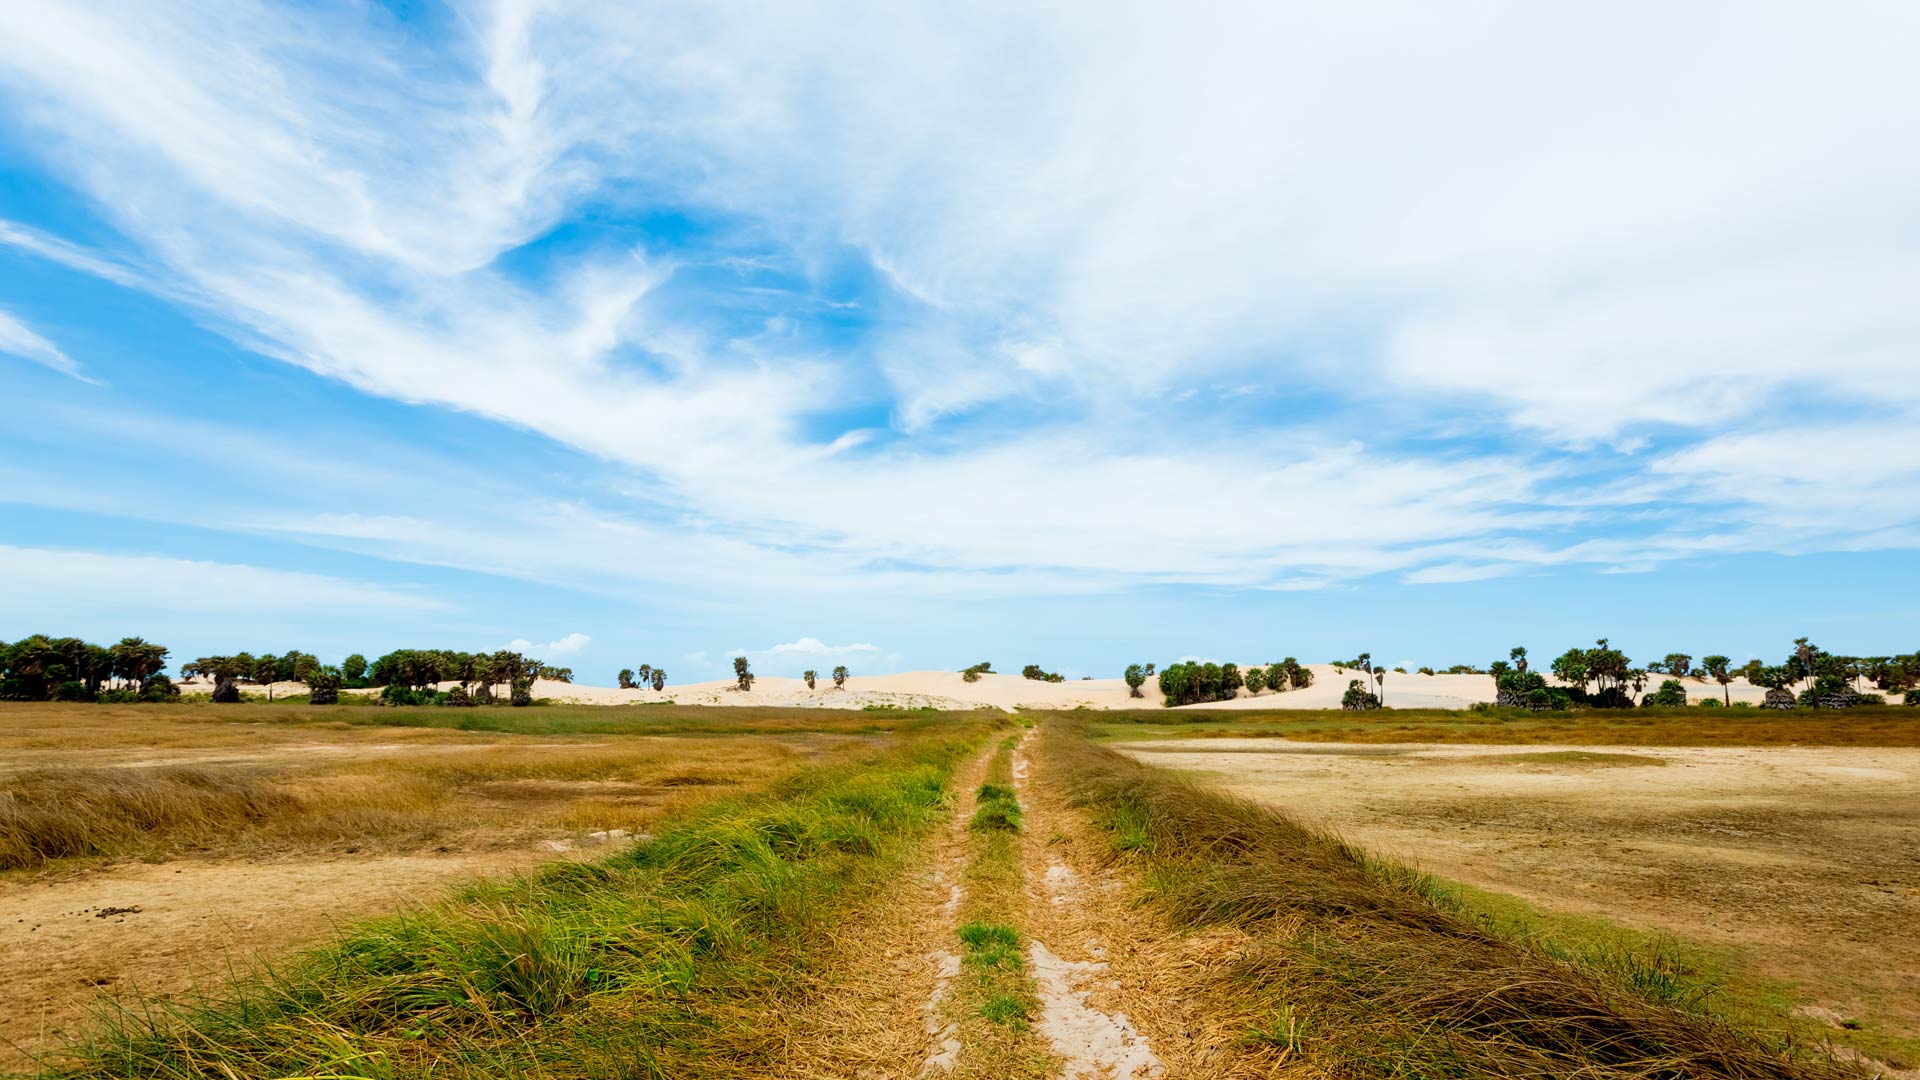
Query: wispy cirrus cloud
52	580
19	339
1459	306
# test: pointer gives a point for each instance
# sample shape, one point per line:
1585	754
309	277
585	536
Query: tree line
1191	682
1603	677
43	668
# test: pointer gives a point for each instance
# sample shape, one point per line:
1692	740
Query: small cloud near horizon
572	643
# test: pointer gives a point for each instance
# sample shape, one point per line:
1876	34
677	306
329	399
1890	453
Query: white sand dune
950	690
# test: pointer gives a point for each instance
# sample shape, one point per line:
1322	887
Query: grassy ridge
994	996
652	963
1370	970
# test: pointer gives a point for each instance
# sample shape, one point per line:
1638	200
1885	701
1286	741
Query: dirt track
1806	860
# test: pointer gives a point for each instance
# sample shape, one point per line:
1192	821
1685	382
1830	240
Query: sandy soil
67	943
949	690
1807	861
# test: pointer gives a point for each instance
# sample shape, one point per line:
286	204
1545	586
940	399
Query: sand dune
949	690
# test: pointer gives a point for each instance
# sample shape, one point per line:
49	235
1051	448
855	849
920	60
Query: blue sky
912	335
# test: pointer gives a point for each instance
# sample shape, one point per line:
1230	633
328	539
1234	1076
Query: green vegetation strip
653	963
1862	726
1372	970
994	998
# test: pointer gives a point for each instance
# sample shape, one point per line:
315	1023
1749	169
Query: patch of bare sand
162	928
1125	995
1804	860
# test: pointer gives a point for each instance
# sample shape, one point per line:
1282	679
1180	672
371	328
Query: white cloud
44	583
572	643
792	657
19	339
814	648
1094	209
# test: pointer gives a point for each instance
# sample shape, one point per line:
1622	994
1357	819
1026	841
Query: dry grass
1368	970
1869	726
49	814
81	782
664	960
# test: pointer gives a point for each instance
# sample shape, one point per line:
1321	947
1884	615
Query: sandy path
881	1014
1127	996
161	928
1805	860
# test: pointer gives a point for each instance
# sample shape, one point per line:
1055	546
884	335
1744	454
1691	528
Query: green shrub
1670	695
72	690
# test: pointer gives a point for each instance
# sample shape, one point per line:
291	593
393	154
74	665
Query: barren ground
174	917
1804	861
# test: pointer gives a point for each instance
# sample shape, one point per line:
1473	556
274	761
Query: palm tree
1380	681
1518	654
135	660
840	676
810	675
1718	667
646	674
626	678
659	678
742	673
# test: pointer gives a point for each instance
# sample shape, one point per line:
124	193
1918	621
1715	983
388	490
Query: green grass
996	808
651	963
993	999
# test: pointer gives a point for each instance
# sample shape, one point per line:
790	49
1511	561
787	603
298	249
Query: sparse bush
1670	695
1358	698
1036	673
323	686
972	674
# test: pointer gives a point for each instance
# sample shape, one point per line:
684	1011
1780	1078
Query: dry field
455	894
152	848
1802	862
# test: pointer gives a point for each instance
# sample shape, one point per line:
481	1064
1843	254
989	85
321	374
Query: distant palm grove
44	668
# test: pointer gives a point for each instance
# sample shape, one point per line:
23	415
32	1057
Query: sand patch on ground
1805	860
187	922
